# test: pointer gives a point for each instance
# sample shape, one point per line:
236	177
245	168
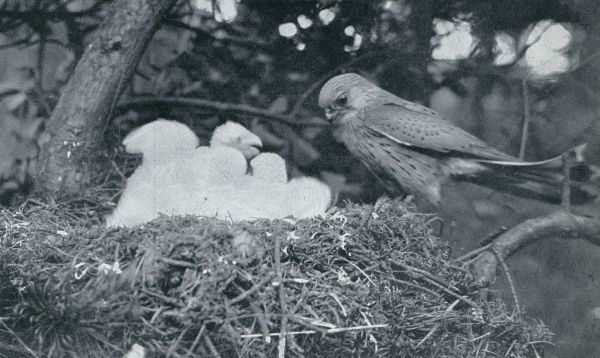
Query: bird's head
345	94
161	140
235	135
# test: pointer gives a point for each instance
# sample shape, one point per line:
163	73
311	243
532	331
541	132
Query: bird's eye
341	101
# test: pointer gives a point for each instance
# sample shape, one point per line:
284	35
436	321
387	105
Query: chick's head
161	139
235	135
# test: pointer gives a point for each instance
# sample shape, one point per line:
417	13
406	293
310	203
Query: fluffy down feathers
178	178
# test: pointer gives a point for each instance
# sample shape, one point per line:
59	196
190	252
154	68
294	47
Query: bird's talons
381	201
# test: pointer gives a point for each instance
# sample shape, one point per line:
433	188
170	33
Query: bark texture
70	158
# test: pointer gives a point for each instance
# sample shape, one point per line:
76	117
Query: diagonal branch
559	224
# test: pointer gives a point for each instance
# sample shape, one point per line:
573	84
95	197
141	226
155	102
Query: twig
196	341
414	285
360	270
15	43
282	297
211	347
300	102
526	118
559	224
423	273
328	331
143	102
437	282
473	253
178	263
236	40
163	298
7	328
452	293
437	325
173	348
565	198
262	323
511	283
252	289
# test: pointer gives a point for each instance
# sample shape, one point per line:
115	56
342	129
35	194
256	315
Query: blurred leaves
233	52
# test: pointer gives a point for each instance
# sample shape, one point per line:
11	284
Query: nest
341	286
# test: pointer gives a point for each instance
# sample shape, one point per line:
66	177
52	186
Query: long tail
541	180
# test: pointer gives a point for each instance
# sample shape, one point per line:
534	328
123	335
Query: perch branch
142	102
559	224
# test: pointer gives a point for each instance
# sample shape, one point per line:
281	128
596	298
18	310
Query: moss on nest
205	287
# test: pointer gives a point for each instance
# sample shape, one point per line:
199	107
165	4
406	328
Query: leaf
304	153
268	138
339	183
79	5
279	105
12	102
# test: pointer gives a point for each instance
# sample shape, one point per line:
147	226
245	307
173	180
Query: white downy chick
176	178
235	135
308	197
269	167
226	159
165	145
257	194
214	174
160	140
300	198
218	172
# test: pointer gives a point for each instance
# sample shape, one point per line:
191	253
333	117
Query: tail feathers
545	189
552	163
542	180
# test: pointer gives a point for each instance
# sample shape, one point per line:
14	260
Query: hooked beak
255	142
253	147
329	112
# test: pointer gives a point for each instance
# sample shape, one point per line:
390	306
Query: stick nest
186	286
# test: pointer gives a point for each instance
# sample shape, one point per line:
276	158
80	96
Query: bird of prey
412	147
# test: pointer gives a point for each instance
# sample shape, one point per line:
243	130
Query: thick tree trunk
69	159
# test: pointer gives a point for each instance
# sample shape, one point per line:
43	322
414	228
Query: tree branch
69	160
144	102
559	224
235	40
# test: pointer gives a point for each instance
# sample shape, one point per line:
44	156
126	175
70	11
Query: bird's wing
423	128
556	162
